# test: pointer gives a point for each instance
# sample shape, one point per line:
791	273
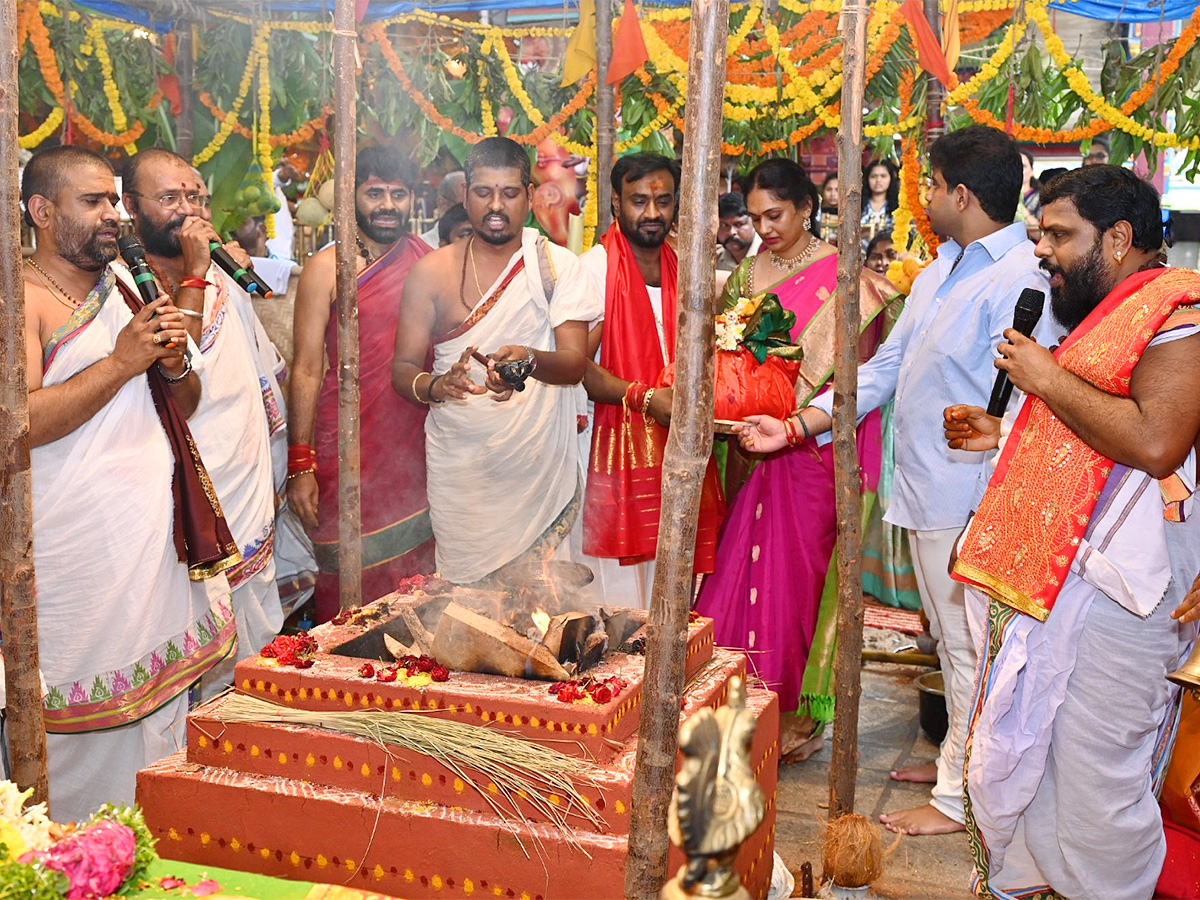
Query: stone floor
921	868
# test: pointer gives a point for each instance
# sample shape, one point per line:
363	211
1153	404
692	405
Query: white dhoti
122	630
1074	725
504	477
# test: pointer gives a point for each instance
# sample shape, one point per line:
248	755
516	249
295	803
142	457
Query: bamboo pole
689	446
606	119
345	52
18	605
185	132
843	766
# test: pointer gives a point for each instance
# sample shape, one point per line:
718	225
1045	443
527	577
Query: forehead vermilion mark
656	186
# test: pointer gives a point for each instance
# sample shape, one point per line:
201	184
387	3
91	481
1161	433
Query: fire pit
318	804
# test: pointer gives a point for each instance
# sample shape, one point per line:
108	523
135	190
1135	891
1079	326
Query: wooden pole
934	92
606	118
345	46
18	603
847	685
185	126
689	446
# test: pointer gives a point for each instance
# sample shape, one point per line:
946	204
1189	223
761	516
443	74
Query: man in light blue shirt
942	348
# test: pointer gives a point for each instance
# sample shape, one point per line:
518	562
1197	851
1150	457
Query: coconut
852	852
311	212
325	194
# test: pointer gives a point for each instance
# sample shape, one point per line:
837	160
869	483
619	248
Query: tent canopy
161	14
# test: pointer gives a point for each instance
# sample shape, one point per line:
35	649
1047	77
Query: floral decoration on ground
589	690
40	860
295	650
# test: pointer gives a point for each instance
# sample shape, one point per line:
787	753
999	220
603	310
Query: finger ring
157	337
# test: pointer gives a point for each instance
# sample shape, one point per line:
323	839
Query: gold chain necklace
791	264
474	271
66	299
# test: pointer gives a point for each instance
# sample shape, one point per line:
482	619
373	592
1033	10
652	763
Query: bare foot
920	820
794	732
804	751
925	773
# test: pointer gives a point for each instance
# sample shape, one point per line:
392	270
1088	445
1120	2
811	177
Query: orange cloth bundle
746	387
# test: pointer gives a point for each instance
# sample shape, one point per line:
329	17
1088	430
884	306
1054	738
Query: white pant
944	605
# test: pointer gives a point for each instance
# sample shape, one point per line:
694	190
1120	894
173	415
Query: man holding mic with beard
241	405
1079	551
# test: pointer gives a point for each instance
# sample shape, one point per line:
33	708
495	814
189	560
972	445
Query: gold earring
1117	256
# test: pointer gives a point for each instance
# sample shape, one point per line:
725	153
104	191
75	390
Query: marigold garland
95	33
793	74
39	39
43	131
230	120
263	125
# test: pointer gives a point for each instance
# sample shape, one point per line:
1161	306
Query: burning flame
541	619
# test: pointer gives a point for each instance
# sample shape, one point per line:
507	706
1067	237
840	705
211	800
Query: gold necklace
474	271
66	300
791	264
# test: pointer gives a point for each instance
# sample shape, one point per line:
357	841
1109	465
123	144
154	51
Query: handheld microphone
247	278
1025	318
134	255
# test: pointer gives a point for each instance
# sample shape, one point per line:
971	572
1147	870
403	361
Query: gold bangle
413	387
646	401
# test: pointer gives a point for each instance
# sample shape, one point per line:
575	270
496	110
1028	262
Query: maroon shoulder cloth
202	536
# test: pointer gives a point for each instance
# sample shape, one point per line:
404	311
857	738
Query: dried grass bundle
852	852
518	768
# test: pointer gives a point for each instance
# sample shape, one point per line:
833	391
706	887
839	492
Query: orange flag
629	50
929	49
951	39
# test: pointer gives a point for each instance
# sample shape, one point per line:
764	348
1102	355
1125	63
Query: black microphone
246	277
1025	319
134	255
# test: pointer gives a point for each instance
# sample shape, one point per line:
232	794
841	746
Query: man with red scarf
635	269
1078	553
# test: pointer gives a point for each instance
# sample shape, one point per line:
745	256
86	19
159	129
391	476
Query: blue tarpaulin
1108	10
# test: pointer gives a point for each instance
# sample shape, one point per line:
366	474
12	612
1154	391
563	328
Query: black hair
1105	195
636	166
893	192
880	236
787	180
731	204
498	153
451	219
1033	179
987	162
1048	175
46	173
134	165
385	164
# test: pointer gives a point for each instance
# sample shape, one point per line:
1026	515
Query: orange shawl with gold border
1024	536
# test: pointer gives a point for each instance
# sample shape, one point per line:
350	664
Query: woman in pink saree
774	554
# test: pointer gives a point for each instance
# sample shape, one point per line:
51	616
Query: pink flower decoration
96	860
204	888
